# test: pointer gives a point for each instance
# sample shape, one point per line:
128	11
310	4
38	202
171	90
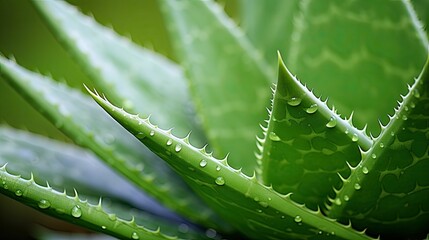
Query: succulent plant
353	167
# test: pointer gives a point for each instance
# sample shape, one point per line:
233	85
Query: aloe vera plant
352	167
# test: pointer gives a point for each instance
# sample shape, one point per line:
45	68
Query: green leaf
73	113
361	54
255	209
269	25
306	144
73	209
227	77
136	78
27	153
388	192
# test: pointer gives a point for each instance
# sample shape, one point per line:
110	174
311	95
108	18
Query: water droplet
346	198
357	186
259	210
381	145
178	147
347	131
103	227
416	93
169	142
312	109
220	181
332	122
140	135
294	101
392	134
404	117
76	211
152	133
406	108
203	163
263	204
273	136
320	233
355	137
135	236
298	219
374	155
18	193
44	204
218	168
211	233
412	105
365	170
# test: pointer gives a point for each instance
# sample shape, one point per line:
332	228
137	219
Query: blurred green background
24	36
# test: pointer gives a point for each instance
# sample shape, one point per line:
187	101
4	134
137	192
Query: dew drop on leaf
178	148
140	135
273	136
76	211
294	101
373	156
332	122
103	227
298	219
169	142
203	163
152	133
357	186
346	198
365	170
112	217
404	117
337	201
381	145
355	137
18	193
312	109
44	204
135	236
220	181
217	168
263	204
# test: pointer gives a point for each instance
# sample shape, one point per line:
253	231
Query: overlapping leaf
228	81
388	192
135	78
256	210
73	113
349	49
306	144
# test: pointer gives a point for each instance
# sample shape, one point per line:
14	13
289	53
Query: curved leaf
255	209
73	113
136	78
306	144
388	192
74	209
226	77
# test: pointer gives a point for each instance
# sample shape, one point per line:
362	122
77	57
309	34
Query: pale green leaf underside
74	209
27	153
256	210
306	144
227	78
388	192
136	78
349	49
73	113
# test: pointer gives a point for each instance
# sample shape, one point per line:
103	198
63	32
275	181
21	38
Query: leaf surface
388	192
229	82
89	126
67	167
135	78
349	49
306	144
76	210
269	25
255	209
